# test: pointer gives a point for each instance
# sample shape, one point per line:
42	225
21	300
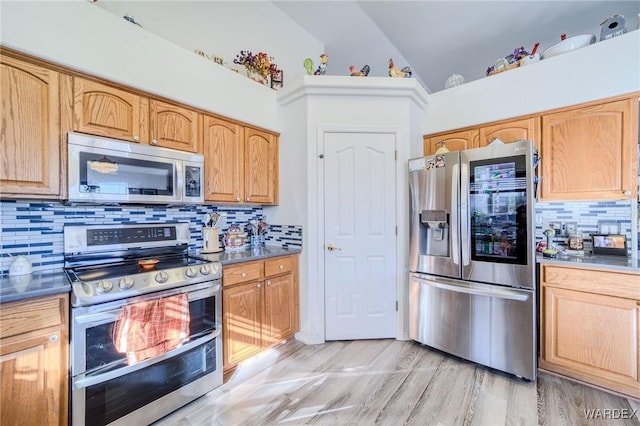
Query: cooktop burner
111	262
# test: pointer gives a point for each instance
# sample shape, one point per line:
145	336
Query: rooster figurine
395	72
362	73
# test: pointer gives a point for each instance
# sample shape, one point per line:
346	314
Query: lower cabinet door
241	328
33	368
279	314
592	337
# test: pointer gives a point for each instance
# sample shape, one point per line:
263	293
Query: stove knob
190	272
126	283
162	277
205	269
104	286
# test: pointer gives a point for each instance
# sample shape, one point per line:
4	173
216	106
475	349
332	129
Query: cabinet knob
248	198
136	138
244	274
154	142
237	198
258	285
53	338
280	266
626	192
269	282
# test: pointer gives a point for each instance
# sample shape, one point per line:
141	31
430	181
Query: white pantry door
360	235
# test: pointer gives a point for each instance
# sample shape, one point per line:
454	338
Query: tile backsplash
35	228
586	215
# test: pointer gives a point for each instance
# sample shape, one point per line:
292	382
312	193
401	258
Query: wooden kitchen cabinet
241	163
174	126
589	326
34	361
454	141
259	306
590	153
33	149
511	131
223	148
103	110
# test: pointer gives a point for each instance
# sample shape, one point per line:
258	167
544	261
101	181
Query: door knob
331	247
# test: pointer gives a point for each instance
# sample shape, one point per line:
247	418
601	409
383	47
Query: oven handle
97	318
83	381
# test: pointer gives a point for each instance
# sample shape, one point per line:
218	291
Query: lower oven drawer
148	394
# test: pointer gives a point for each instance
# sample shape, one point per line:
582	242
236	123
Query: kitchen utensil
207	219
215	218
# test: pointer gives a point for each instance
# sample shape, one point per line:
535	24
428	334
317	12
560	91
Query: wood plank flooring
390	382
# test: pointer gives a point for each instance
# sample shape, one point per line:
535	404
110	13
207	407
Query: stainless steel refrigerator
472	258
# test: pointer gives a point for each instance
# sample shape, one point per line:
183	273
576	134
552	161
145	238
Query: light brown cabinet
589	326
174	126
104	110
32	150
34	361
453	141
241	163
590	153
510	131
259	306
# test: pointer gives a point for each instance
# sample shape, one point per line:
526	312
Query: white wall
82	36
604	69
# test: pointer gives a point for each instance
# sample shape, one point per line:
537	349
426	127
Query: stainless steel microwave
102	170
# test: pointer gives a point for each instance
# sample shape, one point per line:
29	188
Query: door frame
401	279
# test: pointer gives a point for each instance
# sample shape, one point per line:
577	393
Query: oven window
101	351
111	400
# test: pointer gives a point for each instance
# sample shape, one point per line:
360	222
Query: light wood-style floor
390	382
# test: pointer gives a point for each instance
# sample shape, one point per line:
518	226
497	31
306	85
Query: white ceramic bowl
569	44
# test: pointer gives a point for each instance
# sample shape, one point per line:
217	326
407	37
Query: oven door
106	389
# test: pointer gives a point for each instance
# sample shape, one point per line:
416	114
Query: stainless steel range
145	322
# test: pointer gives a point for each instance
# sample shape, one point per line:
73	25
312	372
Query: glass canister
575	241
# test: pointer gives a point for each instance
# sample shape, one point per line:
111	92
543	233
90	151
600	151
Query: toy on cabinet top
613	26
362	73
395	72
322	68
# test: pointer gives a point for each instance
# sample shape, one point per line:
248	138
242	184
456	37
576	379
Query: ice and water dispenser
434	233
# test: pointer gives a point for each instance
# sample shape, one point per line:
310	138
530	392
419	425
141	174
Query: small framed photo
277	80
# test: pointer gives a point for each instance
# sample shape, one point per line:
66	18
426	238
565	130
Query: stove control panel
104	286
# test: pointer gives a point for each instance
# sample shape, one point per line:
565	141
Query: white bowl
569	44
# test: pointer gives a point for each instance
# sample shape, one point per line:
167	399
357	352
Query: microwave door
103	175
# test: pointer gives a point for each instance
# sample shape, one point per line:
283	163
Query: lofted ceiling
441	38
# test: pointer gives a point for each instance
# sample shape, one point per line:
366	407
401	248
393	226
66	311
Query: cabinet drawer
34	314
617	283
241	272
279	265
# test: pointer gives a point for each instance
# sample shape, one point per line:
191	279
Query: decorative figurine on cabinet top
322	68
395	72
362	73
614	26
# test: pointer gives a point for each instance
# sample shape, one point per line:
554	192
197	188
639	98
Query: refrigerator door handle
453	225
464	213
499	294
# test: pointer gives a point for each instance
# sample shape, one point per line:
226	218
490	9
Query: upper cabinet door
175	127
31	142
454	141
223	153
511	131
103	110
590	153
260	167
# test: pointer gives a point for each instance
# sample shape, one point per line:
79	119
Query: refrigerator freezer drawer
490	325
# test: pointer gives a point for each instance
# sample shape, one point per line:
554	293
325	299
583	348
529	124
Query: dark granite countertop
21	287
614	263
229	257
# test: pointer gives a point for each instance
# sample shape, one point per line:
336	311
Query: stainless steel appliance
107	266
102	170
472	257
